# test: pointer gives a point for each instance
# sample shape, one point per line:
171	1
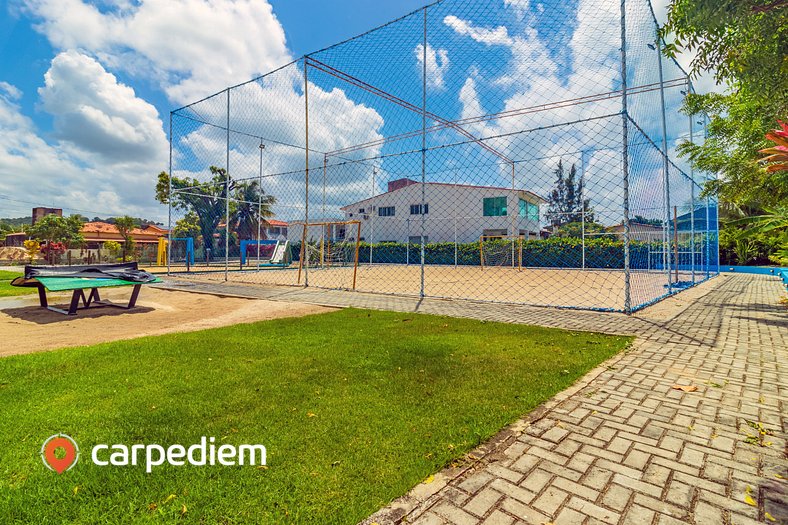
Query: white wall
453	211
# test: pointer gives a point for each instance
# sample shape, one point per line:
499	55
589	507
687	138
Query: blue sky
26	55
86	87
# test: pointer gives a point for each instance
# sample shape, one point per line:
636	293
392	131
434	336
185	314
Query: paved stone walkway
623	446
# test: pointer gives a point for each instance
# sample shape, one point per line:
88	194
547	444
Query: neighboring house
277	230
16	239
449	211
40	213
637	231
97	233
274	230
334	231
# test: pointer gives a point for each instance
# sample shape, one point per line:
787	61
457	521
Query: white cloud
10	91
90	168
98	115
491	36
437	64
192	47
337	122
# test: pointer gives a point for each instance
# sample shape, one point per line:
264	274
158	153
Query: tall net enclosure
506	151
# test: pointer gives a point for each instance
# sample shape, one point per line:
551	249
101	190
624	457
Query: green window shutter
494	206
488	207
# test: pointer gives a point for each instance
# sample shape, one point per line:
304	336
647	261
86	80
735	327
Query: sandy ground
535	286
26	327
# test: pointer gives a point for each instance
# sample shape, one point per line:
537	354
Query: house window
361	210
529	210
416	209
417	239
495	207
386	211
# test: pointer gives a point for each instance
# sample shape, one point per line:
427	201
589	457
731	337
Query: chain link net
470	150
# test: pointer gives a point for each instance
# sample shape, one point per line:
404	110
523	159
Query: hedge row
555	252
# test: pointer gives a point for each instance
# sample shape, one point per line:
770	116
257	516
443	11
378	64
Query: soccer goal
326	245
501	252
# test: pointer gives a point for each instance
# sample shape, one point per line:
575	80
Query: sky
86	87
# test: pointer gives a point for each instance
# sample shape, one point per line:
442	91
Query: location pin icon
68	459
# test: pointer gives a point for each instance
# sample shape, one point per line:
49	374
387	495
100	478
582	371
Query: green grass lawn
6	290
355	408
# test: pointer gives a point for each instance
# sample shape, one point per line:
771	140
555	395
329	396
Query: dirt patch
26	327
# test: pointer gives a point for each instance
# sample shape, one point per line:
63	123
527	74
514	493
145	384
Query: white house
450	212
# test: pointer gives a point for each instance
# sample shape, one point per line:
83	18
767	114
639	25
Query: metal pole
327	230
583	206
372	215
227	197
514	211
625	144
306	169
692	194
259	204
665	174
407	246
423	147
708	214
169	207
676	240
454	213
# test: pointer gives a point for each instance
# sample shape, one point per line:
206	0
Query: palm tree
250	209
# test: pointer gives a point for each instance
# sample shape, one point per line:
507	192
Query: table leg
134	294
42	296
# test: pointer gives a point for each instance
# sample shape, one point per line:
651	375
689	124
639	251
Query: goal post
338	247
501	252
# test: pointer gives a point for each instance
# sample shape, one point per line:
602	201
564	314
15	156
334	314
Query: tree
112	248
125	225
55	229
746	42
251	209
207	201
189	226
639	219
566	203
578	229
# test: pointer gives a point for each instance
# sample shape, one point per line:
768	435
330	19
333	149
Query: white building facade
448	213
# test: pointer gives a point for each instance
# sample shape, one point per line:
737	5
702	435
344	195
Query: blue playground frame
244	245
189	247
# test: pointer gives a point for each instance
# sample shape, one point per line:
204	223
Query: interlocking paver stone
630	449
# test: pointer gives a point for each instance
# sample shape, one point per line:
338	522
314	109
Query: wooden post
481	251
303	253
358	246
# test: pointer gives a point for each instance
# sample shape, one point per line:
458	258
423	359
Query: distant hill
17	221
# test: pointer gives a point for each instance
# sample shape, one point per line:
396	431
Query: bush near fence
556	252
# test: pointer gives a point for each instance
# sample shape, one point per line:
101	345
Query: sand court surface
26	327
592	289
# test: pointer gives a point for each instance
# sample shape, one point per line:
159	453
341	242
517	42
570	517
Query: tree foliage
55	229
746	43
125	225
578	229
566	203
206	199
